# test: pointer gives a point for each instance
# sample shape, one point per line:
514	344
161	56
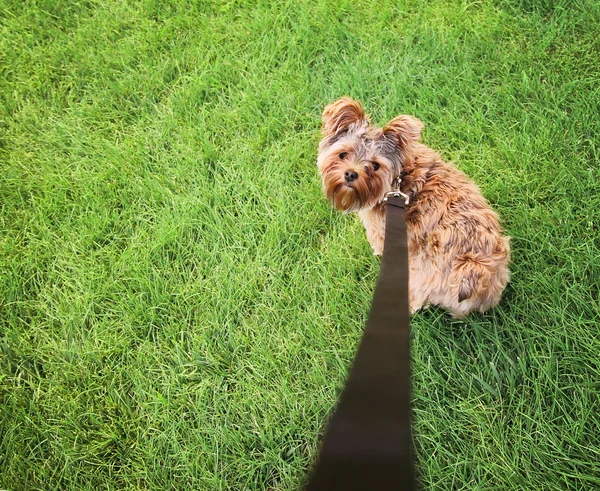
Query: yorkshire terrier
458	255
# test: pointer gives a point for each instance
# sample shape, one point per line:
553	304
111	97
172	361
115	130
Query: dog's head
359	162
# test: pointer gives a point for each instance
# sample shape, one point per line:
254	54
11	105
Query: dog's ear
339	115
404	129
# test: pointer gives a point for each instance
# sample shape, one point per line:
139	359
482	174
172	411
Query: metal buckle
396	193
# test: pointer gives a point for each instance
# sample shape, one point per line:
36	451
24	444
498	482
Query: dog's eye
375	165
343	155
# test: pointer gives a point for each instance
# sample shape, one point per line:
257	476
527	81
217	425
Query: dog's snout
350	176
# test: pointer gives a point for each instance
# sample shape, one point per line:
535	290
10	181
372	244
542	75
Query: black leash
368	444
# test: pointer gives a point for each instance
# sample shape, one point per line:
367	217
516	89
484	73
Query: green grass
179	306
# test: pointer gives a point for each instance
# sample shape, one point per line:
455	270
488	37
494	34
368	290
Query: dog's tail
481	279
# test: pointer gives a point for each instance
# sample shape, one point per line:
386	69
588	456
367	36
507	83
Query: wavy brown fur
458	255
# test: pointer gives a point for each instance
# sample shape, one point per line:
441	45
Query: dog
458	254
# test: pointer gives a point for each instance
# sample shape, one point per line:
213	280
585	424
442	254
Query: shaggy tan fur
458	255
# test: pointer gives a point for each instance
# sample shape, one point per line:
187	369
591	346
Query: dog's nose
350	176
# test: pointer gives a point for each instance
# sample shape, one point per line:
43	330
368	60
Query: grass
179	305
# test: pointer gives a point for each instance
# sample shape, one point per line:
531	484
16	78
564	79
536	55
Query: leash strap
368	444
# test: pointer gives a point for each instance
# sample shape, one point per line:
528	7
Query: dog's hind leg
475	283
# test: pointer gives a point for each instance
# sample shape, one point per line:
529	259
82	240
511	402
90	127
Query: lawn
179	305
